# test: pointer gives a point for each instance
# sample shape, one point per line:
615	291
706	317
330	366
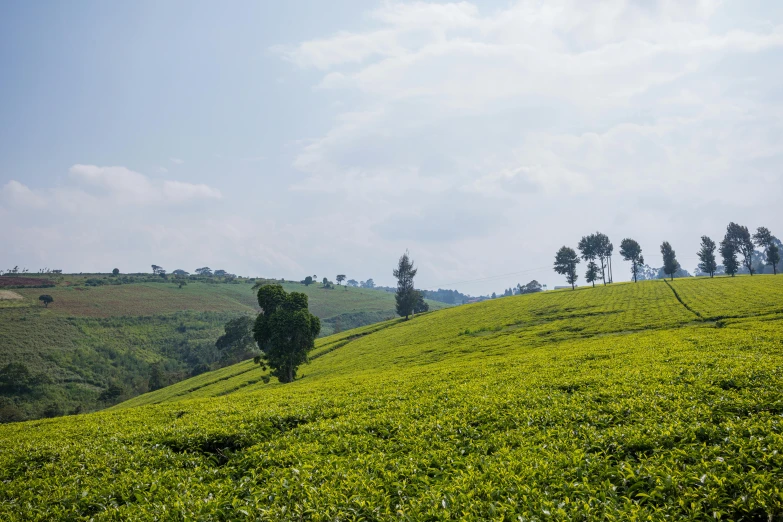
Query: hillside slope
649	401
134	336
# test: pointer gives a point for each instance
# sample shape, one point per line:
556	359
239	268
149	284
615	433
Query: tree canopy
738	237
565	264
764	239
670	264
285	330
46	299
237	343
707	262
632	251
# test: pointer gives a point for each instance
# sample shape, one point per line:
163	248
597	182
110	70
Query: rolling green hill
97	334
649	401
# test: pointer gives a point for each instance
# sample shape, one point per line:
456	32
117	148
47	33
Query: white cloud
19	195
128	187
98	190
542	111
177	161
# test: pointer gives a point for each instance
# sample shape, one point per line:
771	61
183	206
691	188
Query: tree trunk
603	271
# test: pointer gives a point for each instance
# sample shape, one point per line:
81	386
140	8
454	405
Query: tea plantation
99	334
649	401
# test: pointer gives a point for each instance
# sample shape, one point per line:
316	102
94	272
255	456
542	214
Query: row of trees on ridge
736	250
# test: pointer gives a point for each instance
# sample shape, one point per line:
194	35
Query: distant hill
100	342
651	401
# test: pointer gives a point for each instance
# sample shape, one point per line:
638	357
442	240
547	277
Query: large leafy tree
285	330
632	251
406	296
565	264
670	264
340	278
764	239
739	237
707	262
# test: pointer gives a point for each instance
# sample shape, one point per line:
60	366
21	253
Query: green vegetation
646	401
135	333
285	331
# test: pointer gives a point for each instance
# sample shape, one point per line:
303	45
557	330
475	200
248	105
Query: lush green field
613	403
92	337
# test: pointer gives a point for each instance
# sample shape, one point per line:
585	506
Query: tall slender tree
706	255
773	257
604	249
406	296
589	250
764	239
670	264
565	264
592	273
632	251
729	254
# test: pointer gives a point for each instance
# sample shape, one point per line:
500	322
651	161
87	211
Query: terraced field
93	337
613	403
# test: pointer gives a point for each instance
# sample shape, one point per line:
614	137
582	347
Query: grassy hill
96	334
646	401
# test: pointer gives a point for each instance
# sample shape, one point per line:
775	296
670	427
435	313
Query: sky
284	139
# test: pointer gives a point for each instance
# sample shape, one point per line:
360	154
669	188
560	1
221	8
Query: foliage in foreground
616	403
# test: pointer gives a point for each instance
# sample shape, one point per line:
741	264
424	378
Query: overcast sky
283	139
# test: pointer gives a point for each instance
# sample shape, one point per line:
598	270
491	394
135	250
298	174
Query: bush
52	409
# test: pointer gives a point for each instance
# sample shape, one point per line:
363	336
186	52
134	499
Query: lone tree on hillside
307	281
729	254
204	271
46	299
285	330
340	278
670	264
739	237
406	295
707	263
353	282
632	251
764	239
565	264
116	271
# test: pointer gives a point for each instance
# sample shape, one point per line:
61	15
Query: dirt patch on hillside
24	281
9	295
